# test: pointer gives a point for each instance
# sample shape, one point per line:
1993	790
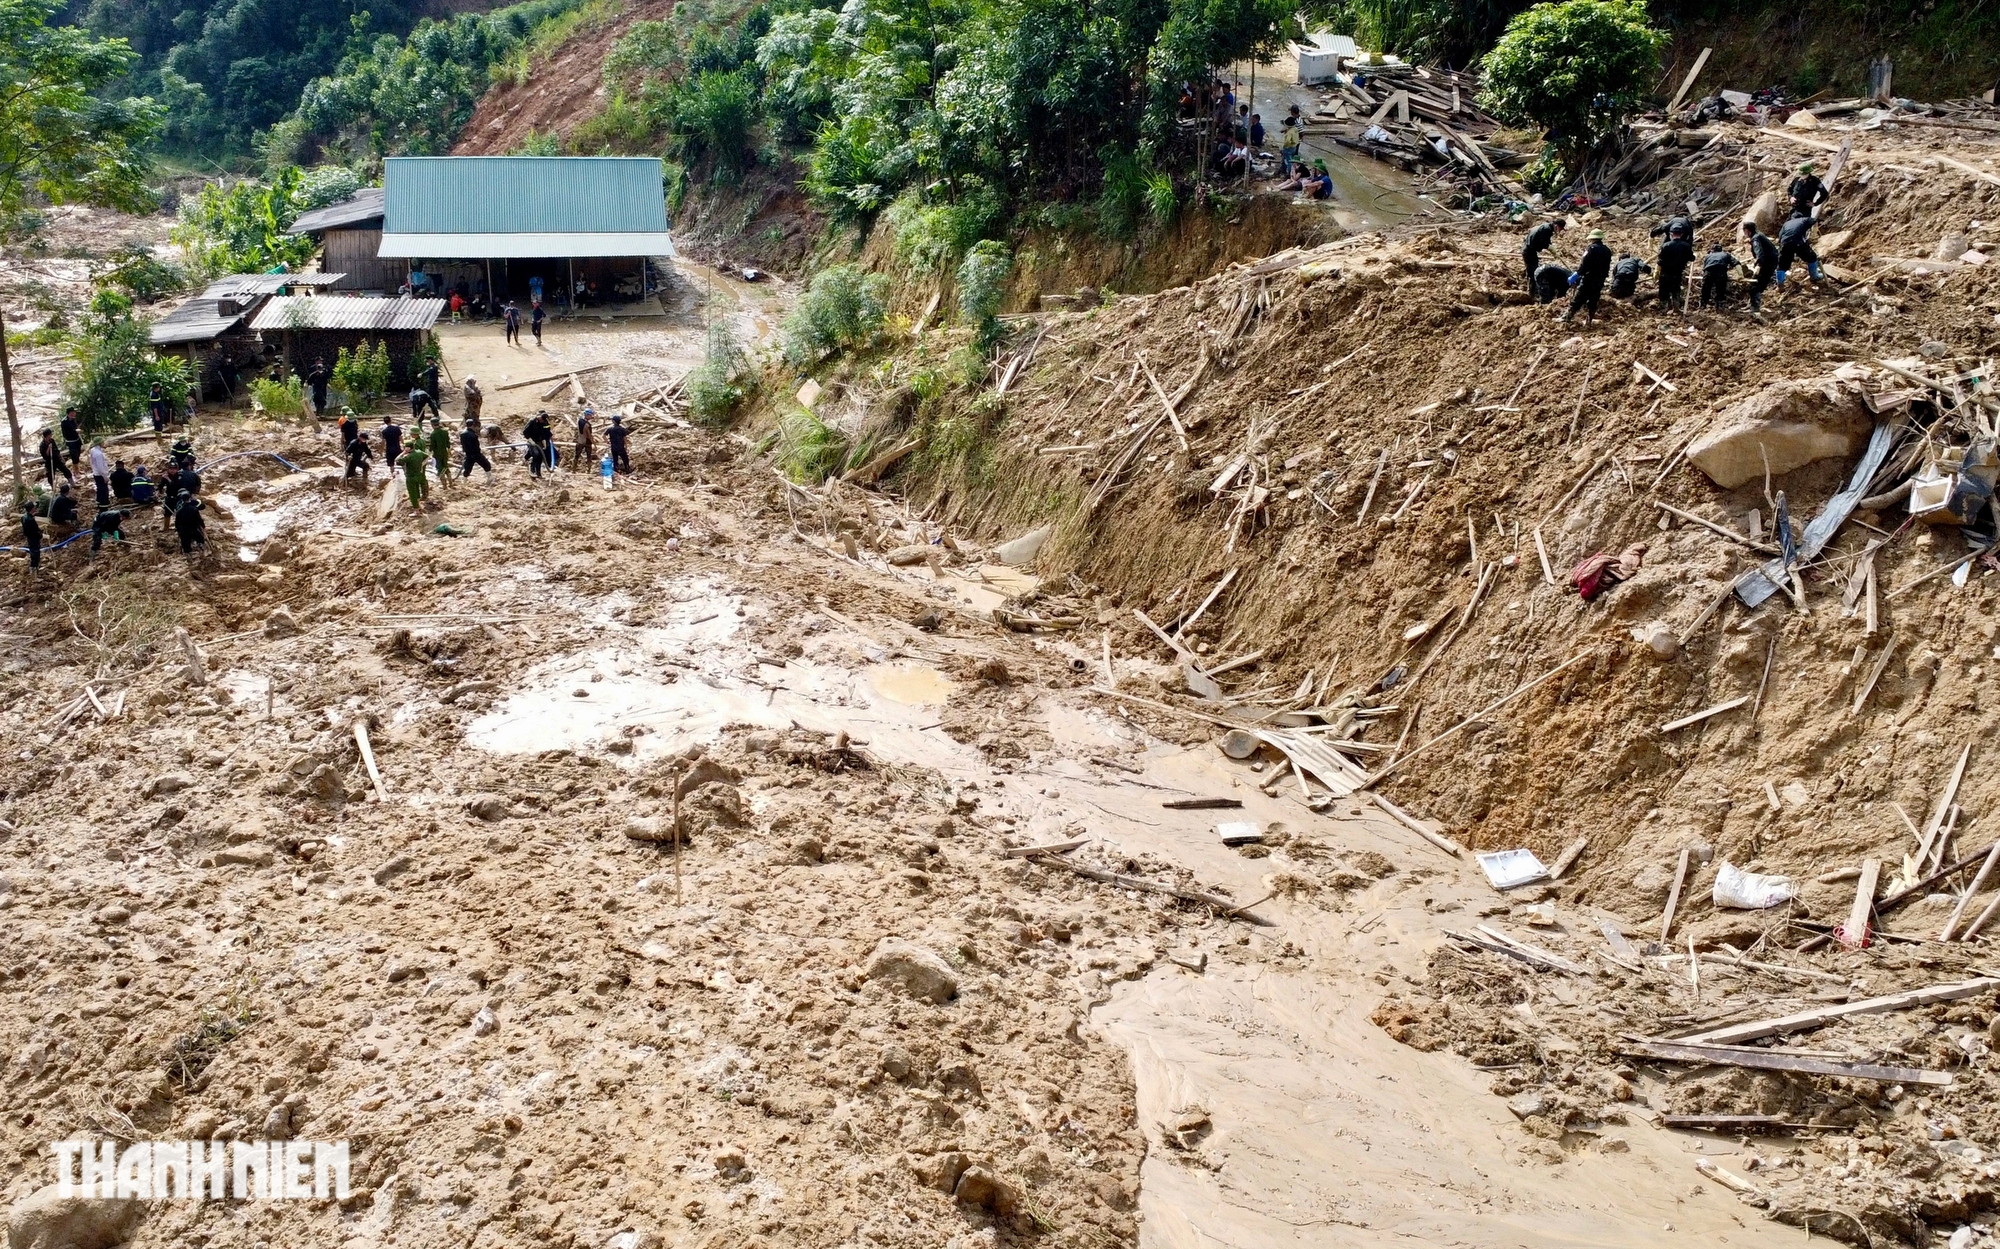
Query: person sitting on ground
121	482
142	488
1551	281
62	512
1235	157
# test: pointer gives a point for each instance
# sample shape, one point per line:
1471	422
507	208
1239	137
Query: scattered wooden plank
1381	462
1854	933
1553	960
1588	473
1699	716
1373	777
1728	1179
1732	1034
1054	847
1202	804
1674	894
1495	947
1206	603
1723	530
1936	824
1769	1060
1770	653
1874	674
563	377
1658	381
1239	662
1165	402
1729	1125
1226	907
368	758
1688	81
1410	822
1548	574
1568	857
1978	882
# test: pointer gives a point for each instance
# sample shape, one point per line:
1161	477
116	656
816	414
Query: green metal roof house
519	207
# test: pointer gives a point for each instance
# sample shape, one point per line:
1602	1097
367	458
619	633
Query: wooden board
386	505
1767	1060
1756	1029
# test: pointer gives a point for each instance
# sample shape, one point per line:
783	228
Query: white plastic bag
1748	891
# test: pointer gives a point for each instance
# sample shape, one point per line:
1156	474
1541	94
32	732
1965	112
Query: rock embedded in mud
325	783
45	1220
979	1187
488	807
919	972
281	624
730	1164
1790	423
485	1022
168	783
393	868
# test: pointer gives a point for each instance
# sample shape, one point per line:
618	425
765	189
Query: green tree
60	139
113	367
1574	69
242	227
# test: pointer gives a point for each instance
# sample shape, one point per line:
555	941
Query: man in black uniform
317	377
62	513
468	446
1807	192
1539	240
1625	273
392	441
1763	263
1715	269
1793	242
538	435
615	434
1676	254
1590	274
109	523
1683	226
31	534
188	523
1551	280
358	456
350	429
72	436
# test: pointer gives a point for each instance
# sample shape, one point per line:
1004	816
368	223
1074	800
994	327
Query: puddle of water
253	525
913	685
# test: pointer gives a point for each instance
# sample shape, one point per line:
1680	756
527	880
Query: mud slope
560	92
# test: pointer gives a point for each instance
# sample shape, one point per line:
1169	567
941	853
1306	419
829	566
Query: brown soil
561	91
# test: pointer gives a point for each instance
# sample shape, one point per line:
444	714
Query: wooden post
1689	80
13	417
677	838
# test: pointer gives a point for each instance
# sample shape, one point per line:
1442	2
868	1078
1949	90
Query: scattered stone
45	1220
649	828
393	868
485	1023
979	1187
630	1239
325	783
398	971
1527	1105
707	771
170	783
917	971
245	856
1793	423
281	624
489	807
992	670
730	1164
463	688
113	914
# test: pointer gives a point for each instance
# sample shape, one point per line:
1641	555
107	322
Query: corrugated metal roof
524	195
521	246
197	321
248	285
334	312
363	206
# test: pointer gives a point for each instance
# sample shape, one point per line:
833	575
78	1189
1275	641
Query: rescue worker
350	429
1676	254
1539	240
1683	226
72	436
475	399
419	400
615	436
1763	263
1588	283
413	476
109	523
156	404
121	482
468	446
31	536
142	487
1551	280
52	459
1625	273
182	453
359	456
392	440
62	512
1715	267
441	451
317	377
536	431
1806	192
100	473
188	524
584	457
511	320
1793	242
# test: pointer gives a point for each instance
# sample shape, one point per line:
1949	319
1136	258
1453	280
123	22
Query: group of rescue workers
1770	262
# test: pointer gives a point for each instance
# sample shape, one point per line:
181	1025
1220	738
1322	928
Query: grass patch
809	449
191	1054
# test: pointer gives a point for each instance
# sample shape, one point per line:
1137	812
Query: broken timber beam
1906	1000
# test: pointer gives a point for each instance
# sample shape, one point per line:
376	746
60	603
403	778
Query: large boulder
1788	424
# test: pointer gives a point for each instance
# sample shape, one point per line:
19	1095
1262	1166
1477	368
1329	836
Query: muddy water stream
1325	1132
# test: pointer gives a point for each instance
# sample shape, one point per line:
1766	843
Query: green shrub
325	184
363	376
1574	68
713	114
843	308
142	275
1122	198
535	143
809	449
113	368
1162	201
243	227
717	386
930	238
282	397
982	283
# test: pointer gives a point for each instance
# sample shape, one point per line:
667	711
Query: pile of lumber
1415	115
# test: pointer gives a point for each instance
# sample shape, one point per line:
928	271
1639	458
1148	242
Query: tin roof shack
304	328
350	238
515	225
211	330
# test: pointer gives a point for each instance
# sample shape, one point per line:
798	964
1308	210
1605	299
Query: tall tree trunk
13	417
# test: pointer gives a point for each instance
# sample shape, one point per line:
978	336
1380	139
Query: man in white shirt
100	472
